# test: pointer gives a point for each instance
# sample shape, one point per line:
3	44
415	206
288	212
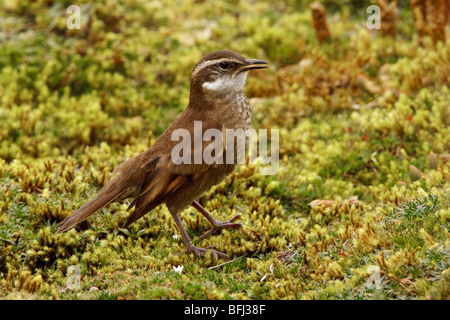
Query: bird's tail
102	199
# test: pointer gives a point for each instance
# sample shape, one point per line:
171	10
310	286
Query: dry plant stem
319	17
436	19
430	18
217	225
222	264
419	11
389	17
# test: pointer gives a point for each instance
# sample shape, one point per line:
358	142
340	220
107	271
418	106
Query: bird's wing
168	171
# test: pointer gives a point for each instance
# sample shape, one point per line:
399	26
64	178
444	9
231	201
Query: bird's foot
219	225
202	251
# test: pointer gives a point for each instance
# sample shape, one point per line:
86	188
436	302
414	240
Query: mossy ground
360	115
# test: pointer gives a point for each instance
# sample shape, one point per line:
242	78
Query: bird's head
222	72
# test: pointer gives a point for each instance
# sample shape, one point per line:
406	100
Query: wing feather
164	177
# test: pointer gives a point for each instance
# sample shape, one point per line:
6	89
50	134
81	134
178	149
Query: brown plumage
152	177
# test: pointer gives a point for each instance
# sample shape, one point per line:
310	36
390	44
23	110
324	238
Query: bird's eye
224	65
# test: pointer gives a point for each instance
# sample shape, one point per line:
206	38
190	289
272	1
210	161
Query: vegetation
364	125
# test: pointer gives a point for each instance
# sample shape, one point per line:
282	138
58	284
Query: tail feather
151	196
100	200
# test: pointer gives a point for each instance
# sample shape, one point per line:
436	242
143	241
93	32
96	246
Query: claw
202	251
222	225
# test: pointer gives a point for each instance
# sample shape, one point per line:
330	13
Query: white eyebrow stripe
208	63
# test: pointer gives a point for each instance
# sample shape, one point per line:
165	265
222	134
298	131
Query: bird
155	176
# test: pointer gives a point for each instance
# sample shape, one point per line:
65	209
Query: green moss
363	115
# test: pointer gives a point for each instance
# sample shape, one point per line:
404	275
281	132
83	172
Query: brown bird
217	101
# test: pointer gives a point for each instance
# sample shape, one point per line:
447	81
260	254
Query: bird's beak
253	64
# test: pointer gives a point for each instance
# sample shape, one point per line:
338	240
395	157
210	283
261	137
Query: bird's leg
217	225
190	248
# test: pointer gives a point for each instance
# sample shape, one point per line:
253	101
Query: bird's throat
226	84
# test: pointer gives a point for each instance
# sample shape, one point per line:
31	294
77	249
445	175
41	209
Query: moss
360	116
